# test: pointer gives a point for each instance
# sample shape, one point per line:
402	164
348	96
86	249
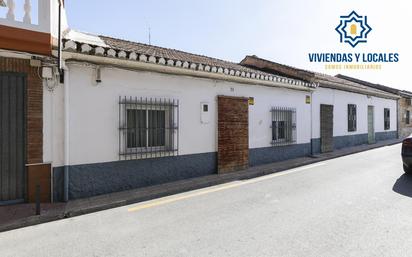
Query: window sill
282	143
147	154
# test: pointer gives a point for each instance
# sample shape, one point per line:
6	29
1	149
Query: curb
150	193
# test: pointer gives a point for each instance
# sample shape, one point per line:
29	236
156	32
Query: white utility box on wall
204	113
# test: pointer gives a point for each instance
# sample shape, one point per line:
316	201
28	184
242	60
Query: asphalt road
358	205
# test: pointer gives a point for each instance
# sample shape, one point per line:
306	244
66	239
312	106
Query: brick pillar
233	133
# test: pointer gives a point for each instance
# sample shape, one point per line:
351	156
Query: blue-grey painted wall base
66	183
102	178
259	156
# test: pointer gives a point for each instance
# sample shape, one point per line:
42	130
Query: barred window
386	118
148	127
407	117
351	117
283	126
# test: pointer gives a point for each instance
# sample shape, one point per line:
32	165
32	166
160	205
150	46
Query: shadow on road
403	185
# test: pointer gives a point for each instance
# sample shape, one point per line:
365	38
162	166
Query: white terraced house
100	115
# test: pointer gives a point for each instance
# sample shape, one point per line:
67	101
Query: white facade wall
340	100
94	111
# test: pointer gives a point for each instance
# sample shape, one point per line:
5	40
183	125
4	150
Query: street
357	205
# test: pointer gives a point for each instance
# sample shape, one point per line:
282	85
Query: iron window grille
148	127
386	118
283	126
408	101
351	117
407	117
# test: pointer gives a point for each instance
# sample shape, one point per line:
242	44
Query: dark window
407	117
148	128
408	101
351	117
283	125
386	118
145	128
278	130
157	128
136	128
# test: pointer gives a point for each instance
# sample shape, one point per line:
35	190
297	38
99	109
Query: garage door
12	137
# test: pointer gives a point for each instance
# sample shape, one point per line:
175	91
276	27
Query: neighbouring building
105	115
27	40
404	104
344	113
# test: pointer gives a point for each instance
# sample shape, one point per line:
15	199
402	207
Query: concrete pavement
357	205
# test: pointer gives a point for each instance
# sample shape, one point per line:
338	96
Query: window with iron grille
283	126
351	117
407	117
408	101
148	127
386	118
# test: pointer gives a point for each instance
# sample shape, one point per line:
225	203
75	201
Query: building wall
404	129
95	167
340	100
94	111
94	127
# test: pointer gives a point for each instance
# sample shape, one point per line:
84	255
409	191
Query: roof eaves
110	52
353	87
256	62
369	84
405	93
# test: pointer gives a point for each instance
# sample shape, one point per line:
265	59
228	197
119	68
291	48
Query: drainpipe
66	135
311	123
65	80
398	130
59	38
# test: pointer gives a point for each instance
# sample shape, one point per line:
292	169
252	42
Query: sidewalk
17	216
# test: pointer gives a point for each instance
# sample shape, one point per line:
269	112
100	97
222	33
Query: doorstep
22	215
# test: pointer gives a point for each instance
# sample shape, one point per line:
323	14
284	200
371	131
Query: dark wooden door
12	137
233	133
326	128
371	128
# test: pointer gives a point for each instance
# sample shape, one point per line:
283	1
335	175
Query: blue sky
281	30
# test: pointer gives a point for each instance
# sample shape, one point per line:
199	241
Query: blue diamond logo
353	29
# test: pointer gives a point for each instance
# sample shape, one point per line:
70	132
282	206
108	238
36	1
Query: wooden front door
326	128
233	133
371	128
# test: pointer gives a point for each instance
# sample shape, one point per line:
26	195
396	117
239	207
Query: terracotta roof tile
174	54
